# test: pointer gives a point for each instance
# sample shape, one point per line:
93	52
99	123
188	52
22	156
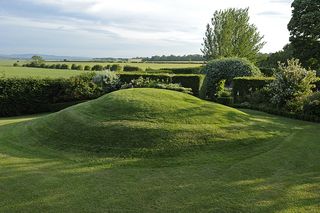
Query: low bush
131	69
149	83
87	67
109	81
115	68
228	101
97	67
195	82
64	66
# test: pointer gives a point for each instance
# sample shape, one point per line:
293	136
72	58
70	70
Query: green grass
187	155
7	69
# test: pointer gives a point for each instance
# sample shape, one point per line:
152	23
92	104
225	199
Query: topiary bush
226	69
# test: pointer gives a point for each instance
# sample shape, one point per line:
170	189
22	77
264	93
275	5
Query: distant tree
231	35
304	28
37	60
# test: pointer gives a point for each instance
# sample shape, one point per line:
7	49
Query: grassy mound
241	161
135	122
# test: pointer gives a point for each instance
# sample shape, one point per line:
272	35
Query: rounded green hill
136	122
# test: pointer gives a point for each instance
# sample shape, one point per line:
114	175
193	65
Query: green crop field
7	69
149	150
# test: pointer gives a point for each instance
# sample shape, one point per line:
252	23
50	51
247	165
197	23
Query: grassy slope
7	69
243	161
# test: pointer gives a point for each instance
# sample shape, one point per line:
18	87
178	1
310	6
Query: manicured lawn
7	69
148	150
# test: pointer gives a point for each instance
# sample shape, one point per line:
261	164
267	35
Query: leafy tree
293	84
272	60
231	35
304	28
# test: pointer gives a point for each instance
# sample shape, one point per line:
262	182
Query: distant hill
46	57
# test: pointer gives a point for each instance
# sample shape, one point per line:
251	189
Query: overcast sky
127	28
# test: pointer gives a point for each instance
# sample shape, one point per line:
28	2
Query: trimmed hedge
245	86
275	111
195	82
188	70
28	96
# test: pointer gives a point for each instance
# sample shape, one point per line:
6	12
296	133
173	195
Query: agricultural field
150	150
7	69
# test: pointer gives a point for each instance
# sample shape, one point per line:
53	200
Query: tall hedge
188	70
244	86
27	96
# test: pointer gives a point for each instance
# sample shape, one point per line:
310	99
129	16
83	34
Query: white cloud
162	22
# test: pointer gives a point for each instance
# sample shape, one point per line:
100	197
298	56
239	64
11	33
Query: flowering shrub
292	85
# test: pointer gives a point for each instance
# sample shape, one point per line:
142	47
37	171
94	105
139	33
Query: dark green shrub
16	64
64	66
79	67
87	68
107	67
228	101
312	105
52	66
115	68
244	87
128	68
58	66
267	72
226	69
97	67
317	83
74	67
